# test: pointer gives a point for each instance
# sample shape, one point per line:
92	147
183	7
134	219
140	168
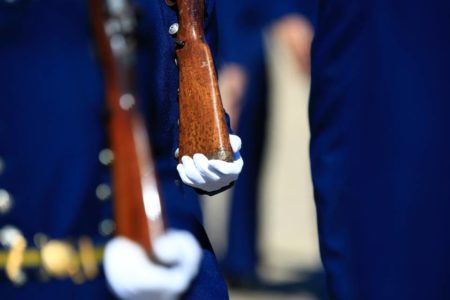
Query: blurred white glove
211	175
133	276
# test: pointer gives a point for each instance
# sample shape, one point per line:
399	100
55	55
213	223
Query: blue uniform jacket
52	129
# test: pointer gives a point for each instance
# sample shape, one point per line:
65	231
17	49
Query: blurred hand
211	175
132	275
296	33
232	83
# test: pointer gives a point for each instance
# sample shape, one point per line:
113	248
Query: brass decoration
55	258
87	258
14	260
59	259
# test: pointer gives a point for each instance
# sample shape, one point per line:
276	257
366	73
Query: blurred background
264	230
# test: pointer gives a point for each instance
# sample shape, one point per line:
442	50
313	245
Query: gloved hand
211	175
133	276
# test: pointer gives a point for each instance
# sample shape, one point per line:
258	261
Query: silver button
106	227
2	165
5	202
106	156
103	191
173	29
40	240
8	235
127	101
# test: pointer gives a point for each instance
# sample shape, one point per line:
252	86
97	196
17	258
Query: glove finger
177	152
191	171
137	277
177	247
202	164
182	173
236	143
227	168
140	273
210	187
160	282
182	250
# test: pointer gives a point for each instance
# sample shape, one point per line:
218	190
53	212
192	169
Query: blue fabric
379	148
240	32
307	8
56	289
52	127
241	24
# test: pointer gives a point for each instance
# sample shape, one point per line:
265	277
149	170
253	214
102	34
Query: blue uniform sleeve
307	8
240	31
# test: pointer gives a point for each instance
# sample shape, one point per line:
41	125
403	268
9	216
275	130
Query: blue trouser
380	147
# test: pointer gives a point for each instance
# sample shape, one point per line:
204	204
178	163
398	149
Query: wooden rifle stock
137	201
203	128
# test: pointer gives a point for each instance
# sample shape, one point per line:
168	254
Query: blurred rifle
137	200
203	128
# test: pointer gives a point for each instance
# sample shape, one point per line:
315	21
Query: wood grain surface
203	127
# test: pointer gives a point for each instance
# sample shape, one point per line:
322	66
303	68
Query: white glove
133	276
211	175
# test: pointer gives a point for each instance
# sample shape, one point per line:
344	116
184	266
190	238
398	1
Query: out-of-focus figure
243	82
55	187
